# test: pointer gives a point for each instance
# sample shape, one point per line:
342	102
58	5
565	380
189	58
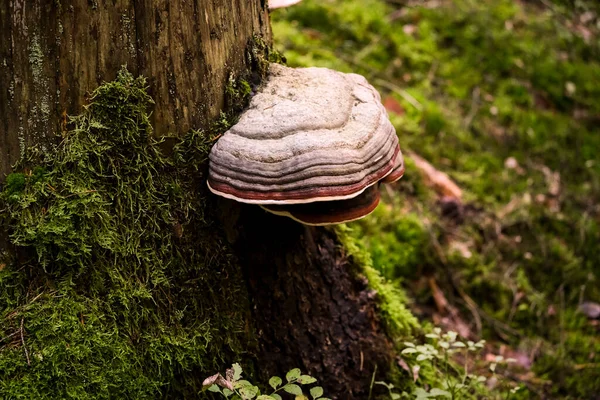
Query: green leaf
387	385
242	384
420	394
439	392
249	392
276	396
293	389
237	372
265	397
306	379
227	392
395	396
214	388
316	392
275	381
409	344
409	350
293	374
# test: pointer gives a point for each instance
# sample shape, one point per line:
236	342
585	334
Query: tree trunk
53	53
309	306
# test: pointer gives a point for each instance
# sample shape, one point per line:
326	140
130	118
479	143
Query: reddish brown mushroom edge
313	145
330	212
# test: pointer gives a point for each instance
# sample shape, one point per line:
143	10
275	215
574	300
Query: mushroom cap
397	172
309	135
330	212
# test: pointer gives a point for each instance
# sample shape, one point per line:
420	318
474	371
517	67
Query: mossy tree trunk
53	53
303	304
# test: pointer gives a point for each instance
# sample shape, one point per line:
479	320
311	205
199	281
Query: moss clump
398	320
14	185
123	281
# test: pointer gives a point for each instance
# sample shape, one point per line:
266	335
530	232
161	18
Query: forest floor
494	231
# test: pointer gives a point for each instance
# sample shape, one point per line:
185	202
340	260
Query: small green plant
233	386
456	381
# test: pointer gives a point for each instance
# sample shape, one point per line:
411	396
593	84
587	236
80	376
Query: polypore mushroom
313	145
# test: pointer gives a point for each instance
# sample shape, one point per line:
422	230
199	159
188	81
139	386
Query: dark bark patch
310	307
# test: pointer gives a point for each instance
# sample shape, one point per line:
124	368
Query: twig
9	336
433	70
23	342
372	382
474	107
405	95
362	360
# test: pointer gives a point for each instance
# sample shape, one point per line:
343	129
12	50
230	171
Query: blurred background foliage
494	231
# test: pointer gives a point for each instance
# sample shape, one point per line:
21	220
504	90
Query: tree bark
53	53
310	308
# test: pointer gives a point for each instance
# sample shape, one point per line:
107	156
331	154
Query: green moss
480	82
124	281
398	319
14	185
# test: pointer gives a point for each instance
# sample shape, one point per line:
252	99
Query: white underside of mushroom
289	215
290	201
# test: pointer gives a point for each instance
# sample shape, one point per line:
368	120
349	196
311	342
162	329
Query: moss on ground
477	86
124	282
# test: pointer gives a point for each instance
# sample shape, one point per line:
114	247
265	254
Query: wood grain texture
53	53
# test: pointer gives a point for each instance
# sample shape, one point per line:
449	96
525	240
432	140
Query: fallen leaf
392	105
438	180
438	296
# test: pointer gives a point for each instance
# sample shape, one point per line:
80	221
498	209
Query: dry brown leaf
392	105
451	319
438	296
438	180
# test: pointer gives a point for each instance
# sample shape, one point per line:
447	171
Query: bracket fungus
313	145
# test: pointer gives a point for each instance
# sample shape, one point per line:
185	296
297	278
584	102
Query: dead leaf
210	380
438	180
273	4
392	105
438	296
224	383
403	364
415	371
452	319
